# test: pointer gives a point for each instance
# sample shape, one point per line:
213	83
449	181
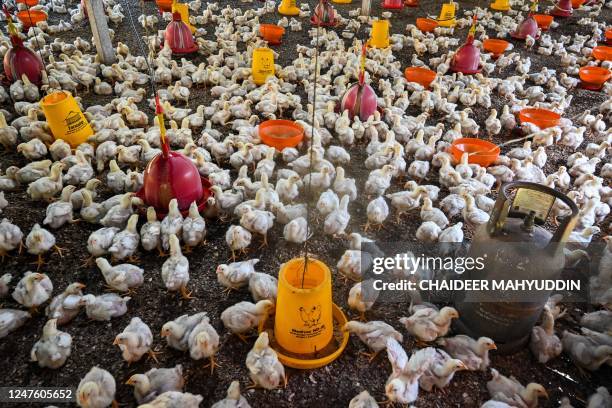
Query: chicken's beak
129	381
80	285
545	394
115	342
493	346
163	333
462	366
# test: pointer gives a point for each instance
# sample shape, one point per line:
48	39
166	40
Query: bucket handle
501	210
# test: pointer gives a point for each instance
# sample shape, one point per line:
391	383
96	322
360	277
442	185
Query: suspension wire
311	156
140	43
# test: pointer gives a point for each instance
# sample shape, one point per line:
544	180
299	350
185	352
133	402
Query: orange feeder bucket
544	21
479	151
426	25
495	46
306	331
542	118
280	133
29	18
602	53
420	75
593	78
164	5
271	33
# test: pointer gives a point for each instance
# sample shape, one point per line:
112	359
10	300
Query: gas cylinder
515	247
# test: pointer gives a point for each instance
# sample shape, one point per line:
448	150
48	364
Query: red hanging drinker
179	37
360	98
19	59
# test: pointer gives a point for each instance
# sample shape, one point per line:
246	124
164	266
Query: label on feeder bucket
527	200
312	325
75	121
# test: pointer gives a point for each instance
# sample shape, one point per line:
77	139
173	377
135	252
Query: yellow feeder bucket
306	332
379	37
262	65
501	5
288	8
447	14
65	118
183	10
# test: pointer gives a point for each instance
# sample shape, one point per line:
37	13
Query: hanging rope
311	156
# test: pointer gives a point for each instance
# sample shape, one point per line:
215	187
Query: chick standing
238	239
175	270
53	348
427	324
60	212
33	290
171	224
510	391
96	389
233	399
473	353
194	228
177	331
236	275
123	277
65	306
544	343
203	342
10	237
125	243
39	241
245	316
265	369
150	232
155	382
374	334
263	286
135	341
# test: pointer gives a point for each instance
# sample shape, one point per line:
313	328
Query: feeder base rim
294	362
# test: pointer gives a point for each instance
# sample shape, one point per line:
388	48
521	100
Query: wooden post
99	29
365	7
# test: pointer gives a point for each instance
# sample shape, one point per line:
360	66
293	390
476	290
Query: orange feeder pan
411	3
495	46
602	53
577	3
271	33
426	25
420	75
542	118
609	36
29	18
544	21
479	151
29	3
164	5
593	78
280	133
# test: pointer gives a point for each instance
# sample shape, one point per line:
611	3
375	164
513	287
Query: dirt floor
333	385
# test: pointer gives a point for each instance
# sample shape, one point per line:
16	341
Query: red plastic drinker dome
324	15
563	8
528	26
172	175
19	59
360	98
179	36
467	57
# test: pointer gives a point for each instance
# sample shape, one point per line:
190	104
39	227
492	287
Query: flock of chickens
255	187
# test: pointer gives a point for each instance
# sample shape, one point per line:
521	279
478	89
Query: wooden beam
99	29
365	7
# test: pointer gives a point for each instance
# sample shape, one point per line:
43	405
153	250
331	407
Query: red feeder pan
426	25
29	18
479	151
164	5
280	133
324	15
420	75
393	4
602	53
20	60
563	8
271	33
542	118
411	3
179	37
593	78
173	176
543	20
529	26
495	46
